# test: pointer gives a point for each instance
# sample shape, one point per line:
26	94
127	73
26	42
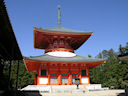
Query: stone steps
63	88
40	88
67	88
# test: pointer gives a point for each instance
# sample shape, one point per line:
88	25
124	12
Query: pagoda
60	65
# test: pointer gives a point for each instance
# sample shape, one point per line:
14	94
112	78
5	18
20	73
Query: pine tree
24	78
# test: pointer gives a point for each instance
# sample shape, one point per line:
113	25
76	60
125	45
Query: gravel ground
92	93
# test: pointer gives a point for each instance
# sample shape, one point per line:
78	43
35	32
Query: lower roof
76	58
34	62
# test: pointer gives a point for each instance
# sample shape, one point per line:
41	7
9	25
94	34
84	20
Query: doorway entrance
64	78
53	78
74	75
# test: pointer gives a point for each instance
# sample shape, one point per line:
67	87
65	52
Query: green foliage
24	78
114	72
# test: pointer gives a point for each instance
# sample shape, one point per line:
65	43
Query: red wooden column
48	75
88	75
35	80
70	78
80	74
38	74
48	79
59	77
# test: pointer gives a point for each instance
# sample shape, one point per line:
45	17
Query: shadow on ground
31	93
122	94
20	93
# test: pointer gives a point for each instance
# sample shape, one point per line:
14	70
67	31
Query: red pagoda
60	65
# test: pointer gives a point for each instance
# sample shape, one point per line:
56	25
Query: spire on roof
59	17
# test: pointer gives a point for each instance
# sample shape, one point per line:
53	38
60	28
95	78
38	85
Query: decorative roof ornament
59	17
60	29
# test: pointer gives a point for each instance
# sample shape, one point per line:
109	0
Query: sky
108	19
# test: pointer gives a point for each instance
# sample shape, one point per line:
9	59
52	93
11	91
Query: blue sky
108	19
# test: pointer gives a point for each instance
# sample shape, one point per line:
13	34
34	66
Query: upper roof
65	30
42	37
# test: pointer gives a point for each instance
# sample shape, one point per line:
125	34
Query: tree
24	78
113	72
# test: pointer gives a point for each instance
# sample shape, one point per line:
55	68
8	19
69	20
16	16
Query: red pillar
35	80
80	75
88	75
59	78
48	77
70	78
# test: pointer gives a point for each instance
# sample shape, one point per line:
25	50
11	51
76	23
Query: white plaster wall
43	80
61	54
84	80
